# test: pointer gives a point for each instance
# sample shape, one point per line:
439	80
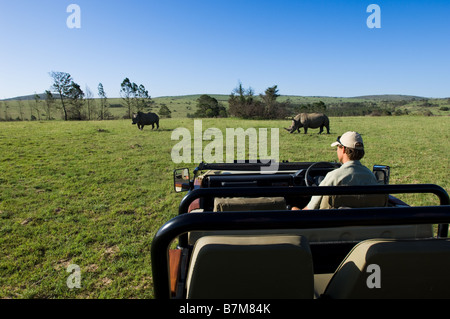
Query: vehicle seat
354	201
222	204
264	266
407	269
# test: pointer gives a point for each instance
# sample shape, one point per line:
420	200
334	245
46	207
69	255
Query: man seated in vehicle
350	149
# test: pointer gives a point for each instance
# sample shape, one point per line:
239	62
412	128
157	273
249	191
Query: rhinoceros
142	119
309	120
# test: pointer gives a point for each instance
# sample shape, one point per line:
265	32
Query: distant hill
390	97
224	97
30	97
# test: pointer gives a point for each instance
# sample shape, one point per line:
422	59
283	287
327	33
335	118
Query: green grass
95	193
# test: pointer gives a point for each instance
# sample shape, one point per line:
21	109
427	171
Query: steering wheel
309	181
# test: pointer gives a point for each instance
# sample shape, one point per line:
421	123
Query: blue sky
177	47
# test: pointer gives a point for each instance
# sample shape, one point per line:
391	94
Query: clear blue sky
177	47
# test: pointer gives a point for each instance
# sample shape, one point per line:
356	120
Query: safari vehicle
236	237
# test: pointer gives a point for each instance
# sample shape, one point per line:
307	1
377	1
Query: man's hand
296	208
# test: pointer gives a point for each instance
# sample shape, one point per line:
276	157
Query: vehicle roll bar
210	221
312	191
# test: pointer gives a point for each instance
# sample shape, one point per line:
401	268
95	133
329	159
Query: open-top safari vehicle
238	238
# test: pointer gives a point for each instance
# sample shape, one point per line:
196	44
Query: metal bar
271	220
312	191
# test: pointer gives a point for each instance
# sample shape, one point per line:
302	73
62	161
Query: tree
164	111
62	84
142	99
103	101
242	103
135	96
127	93
1	103
208	106
6	110
269	100
89	102
75	96
20	105
319	106
37	100
49	101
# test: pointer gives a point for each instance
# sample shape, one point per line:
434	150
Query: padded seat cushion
354	201
407	269
264	266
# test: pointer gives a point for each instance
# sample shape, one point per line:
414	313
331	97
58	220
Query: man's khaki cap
351	140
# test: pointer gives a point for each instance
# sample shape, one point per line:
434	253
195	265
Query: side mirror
382	173
181	179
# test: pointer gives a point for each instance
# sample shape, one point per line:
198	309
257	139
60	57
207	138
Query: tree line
67	97
74	103
244	103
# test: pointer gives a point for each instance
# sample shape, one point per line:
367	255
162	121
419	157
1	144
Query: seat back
263	266
222	204
354	201
394	269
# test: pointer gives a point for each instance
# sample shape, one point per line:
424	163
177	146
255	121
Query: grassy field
94	193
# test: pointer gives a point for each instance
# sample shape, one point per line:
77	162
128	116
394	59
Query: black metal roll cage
253	220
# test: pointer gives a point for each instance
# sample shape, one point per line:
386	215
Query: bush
208	106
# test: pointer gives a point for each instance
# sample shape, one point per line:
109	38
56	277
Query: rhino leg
321	129
305	129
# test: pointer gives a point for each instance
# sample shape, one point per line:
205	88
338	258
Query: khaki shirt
349	174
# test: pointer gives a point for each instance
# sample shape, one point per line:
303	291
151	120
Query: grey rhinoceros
142	119
309	120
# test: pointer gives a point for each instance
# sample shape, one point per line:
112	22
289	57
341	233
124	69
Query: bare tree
89	97
37	100
6	110
103	101
1	105
49	101
20	105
